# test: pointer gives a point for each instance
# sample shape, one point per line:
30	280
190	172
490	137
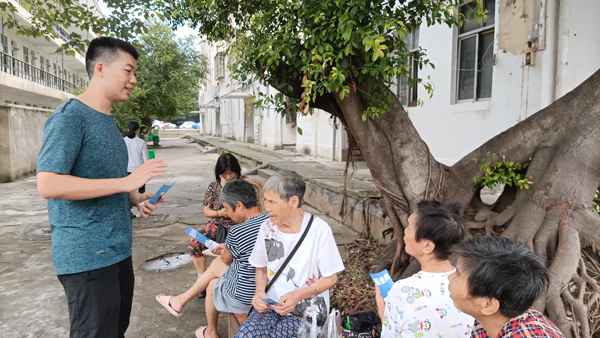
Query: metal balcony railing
19	68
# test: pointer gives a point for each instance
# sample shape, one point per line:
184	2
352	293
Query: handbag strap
289	257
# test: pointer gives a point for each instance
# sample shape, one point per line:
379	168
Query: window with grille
220	65
407	85
475	52
4	41
26	60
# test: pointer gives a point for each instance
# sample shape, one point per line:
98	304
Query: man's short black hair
107	48
441	224
502	269
239	191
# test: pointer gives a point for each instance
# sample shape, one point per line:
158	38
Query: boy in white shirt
137	150
420	305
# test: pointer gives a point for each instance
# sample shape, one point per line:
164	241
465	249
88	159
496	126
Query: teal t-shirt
94	233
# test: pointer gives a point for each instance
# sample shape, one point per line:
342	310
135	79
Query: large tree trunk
554	217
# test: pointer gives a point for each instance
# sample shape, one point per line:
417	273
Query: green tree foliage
169	73
314	48
306	49
75	20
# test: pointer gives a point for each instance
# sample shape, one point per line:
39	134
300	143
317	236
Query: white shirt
420	306
137	152
318	256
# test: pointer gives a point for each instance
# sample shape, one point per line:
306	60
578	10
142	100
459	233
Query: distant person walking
82	171
137	150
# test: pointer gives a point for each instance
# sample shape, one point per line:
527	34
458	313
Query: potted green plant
496	176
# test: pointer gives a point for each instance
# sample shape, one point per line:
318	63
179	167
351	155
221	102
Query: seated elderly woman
289	282
420	305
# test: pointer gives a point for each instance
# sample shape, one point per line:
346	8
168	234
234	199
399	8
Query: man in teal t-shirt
82	171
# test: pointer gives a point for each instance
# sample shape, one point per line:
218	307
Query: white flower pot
489	196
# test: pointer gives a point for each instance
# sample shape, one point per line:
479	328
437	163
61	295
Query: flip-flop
200	332
165	301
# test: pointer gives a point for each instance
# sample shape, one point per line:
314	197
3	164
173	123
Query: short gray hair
239	191
286	186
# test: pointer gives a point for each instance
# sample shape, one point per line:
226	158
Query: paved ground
32	302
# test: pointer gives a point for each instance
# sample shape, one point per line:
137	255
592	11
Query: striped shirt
240	279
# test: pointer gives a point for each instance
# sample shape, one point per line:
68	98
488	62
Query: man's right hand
148	170
258	303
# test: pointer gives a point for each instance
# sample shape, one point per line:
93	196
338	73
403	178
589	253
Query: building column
5	172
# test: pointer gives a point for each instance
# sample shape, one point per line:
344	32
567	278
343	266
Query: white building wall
452	130
268	128
579	43
317	138
232	118
271	129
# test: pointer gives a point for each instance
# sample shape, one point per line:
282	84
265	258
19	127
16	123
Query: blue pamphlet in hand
163	190
270	301
383	280
200	237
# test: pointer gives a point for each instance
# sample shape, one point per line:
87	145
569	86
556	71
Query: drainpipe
335	127
550	56
281	127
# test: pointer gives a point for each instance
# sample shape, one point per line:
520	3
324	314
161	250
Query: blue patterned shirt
94	233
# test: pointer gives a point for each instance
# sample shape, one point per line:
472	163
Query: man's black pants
100	300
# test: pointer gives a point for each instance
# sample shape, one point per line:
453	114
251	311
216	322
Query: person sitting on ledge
229	280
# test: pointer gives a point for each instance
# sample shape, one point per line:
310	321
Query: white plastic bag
330	329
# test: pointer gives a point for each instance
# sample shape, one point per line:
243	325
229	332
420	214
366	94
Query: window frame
476	33
26	61
220	66
4	63
411	88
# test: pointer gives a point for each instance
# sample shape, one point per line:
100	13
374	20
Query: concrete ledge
176	133
363	211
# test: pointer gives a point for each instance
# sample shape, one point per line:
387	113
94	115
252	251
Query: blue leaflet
383	280
200	237
197	235
163	190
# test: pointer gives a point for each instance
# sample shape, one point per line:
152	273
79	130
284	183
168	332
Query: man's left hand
145	207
